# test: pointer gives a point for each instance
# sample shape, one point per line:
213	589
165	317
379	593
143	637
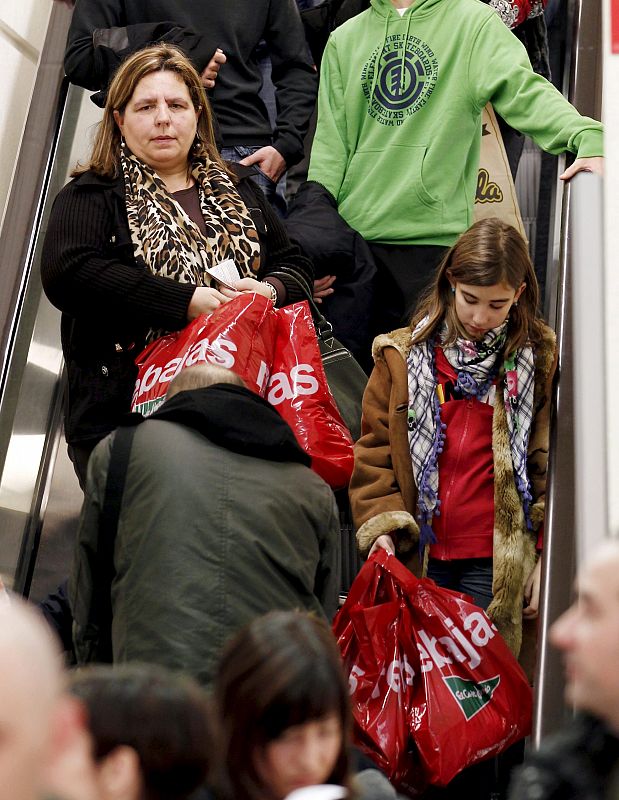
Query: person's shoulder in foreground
582	760
577	763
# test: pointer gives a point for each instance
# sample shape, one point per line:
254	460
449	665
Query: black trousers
55	606
403	272
79	455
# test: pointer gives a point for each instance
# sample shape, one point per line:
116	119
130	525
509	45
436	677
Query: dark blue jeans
269	187
473	576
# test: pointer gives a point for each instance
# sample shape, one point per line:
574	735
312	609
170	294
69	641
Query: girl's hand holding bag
418	652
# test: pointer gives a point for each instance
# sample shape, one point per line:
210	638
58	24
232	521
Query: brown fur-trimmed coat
384	496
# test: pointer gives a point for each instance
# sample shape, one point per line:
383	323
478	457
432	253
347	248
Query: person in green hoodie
397	144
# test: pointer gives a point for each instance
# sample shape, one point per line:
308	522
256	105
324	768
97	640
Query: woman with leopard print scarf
131	237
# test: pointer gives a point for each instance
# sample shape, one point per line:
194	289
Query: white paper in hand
323	791
225	273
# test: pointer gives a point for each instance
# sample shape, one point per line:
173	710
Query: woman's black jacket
109	301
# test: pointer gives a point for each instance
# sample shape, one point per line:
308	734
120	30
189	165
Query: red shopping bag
474	700
373	633
299	390
239	335
276	353
469	698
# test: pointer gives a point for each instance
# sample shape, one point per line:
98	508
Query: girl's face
303	755
481	308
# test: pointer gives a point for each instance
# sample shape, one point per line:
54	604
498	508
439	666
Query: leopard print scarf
169	243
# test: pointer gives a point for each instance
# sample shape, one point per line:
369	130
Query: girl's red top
464	528
466	471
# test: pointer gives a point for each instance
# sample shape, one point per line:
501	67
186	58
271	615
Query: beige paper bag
496	194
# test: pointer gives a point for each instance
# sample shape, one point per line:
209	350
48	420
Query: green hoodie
403	167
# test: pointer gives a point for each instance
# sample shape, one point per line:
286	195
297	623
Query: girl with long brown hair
451	464
454	442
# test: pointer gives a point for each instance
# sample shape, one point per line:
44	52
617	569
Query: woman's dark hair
282	669
161	715
489	252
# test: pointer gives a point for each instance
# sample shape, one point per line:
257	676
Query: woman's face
159	122
481	308
303	755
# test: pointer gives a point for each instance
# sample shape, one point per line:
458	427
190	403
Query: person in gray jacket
221	520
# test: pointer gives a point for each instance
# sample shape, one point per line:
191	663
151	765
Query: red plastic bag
299	390
372	630
239	335
276	353
464	695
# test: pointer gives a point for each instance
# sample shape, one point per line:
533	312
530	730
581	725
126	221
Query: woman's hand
322	287
248	285
205	301
531	591
386	542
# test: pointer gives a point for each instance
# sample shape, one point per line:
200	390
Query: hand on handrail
593	164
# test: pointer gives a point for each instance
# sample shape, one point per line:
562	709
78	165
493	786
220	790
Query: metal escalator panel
34	483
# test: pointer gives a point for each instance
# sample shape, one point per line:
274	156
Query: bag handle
324	329
381	563
397	570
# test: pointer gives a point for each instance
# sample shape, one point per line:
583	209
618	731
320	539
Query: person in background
221	520
298	171
399	129
39	725
454	437
130	237
581	762
148	731
213	35
525	19
345	274
281	714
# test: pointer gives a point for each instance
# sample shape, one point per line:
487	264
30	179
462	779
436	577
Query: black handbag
347	380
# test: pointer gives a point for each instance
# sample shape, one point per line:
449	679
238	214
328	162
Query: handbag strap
115	484
108	527
324	329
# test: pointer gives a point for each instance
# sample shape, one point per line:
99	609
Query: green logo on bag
471	696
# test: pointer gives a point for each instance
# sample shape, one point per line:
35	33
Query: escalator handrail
579	219
30	183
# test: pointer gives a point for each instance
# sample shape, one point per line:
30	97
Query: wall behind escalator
23	24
